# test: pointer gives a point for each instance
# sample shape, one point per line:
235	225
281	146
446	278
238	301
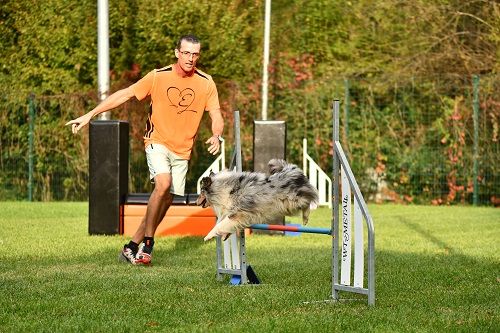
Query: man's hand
214	142
78	123
114	100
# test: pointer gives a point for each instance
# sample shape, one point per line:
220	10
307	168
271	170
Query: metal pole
31	106
304	156
237	140
103	53
307	230
475	106
265	73
335	208
239	168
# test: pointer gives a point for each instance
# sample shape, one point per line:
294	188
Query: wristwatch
219	137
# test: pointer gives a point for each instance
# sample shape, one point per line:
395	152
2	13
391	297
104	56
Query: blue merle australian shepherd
244	198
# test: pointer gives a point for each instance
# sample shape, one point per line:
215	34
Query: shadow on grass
426	234
183	244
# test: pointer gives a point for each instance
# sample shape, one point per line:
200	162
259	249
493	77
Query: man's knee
163	191
162	185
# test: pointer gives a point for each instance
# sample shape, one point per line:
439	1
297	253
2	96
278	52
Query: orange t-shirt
178	104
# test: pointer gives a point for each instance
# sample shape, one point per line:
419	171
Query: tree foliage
403	64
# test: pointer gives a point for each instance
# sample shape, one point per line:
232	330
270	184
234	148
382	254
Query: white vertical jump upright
342	173
216	166
317	177
232	259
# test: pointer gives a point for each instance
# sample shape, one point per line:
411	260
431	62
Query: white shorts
161	160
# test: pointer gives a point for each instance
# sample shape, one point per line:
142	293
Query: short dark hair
188	38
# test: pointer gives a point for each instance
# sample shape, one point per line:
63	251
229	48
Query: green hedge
404	68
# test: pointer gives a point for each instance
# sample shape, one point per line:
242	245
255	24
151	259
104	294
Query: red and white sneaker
127	255
142	258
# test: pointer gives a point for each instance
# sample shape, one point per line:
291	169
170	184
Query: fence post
31	121
475	107
347	102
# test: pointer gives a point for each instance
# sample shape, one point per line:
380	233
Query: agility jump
231	253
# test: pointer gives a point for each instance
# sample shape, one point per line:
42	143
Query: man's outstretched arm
114	100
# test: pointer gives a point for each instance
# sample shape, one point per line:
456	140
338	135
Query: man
180	93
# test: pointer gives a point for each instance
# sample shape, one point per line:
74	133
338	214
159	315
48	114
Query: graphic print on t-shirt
181	100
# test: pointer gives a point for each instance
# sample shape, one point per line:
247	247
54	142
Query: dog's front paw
222	236
210	235
225	236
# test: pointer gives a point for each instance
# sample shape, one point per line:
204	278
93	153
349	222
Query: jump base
251	276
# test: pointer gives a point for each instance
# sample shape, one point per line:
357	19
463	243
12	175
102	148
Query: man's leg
131	249
141	230
169	172
158	204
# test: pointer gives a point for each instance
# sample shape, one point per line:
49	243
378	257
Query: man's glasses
188	54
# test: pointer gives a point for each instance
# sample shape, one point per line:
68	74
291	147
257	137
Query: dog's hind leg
305	215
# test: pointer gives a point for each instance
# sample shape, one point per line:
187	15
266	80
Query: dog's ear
212	174
276	165
206	182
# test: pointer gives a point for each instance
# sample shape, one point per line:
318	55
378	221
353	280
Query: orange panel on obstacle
180	220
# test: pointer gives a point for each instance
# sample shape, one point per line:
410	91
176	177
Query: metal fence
424	140
414	143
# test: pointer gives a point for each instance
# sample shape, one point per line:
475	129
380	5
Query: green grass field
437	270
